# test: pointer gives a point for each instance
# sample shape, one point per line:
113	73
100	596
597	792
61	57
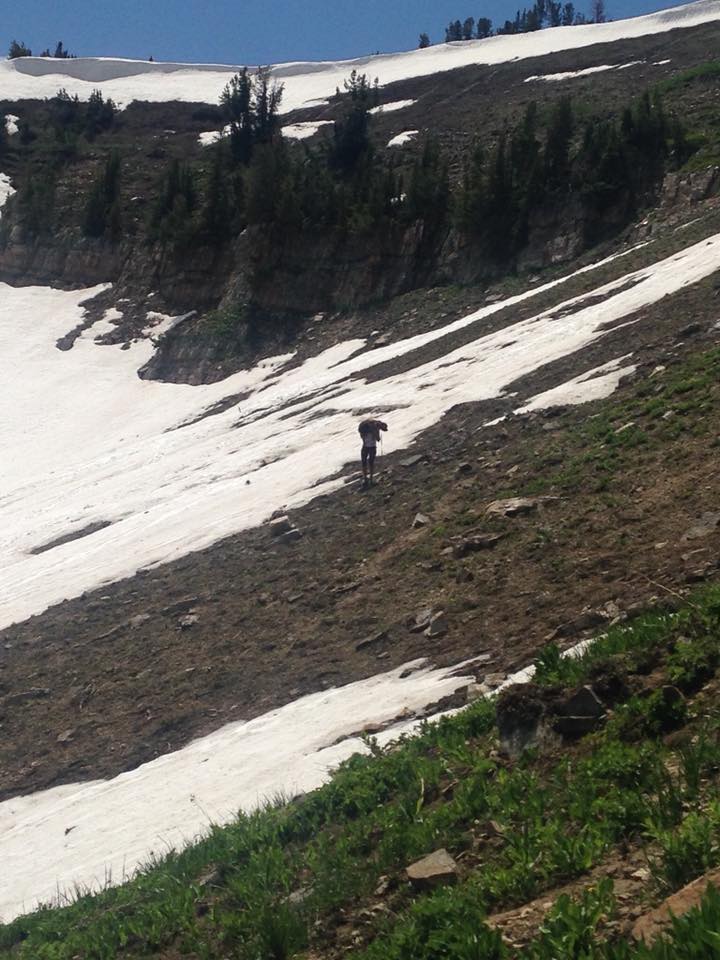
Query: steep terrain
549	469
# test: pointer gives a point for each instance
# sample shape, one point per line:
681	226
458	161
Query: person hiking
369	430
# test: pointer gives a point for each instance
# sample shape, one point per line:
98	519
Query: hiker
369	430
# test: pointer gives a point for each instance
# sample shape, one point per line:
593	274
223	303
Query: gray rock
280	525
464	469
422	619
34	693
371	640
411	461
188	621
706	525
476	543
513	507
474	691
576	726
437	627
139	620
420	521
583	703
291	536
435	870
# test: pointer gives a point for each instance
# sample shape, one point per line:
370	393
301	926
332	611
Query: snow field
93	443
86	833
305	83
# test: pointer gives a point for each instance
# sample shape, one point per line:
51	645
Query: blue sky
238	31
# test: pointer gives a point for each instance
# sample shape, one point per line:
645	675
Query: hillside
201	609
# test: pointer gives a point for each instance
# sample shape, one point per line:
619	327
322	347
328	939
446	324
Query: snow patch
402	138
588	71
304	130
81	834
392	106
11	124
209	137
6	190
596	384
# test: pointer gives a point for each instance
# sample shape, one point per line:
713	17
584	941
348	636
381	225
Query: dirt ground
107	681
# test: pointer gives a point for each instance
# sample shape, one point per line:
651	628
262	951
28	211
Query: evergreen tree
102	206
557	146
467	28
351	140
171	220
568	14
99	114
424	41
216	218
18	50
597	11
453	31
484	28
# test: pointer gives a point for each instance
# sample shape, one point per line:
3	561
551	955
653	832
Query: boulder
653	924
420	521
583	703
291	536
280	525
438	626
522	720
513	507
435	870
706	525
476	543
371	640
422	619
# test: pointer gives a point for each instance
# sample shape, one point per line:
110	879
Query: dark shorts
367	455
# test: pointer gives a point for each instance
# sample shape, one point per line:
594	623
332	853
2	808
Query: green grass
276	881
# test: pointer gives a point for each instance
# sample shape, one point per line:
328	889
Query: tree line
543	14
19	49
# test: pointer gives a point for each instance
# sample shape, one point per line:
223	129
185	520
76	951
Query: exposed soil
104	682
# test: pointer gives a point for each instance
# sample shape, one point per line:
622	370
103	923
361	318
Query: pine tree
484	28
467	28
103	200
216	215
18	50
568	14
557	145
597	11
424	41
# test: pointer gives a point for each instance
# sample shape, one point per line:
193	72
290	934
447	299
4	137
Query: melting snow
593	385
87	433
402	138
301	131
6	190
127	80
392	107
11	124
117	824
588	71
209	137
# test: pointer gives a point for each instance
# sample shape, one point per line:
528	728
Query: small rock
382	887
437	627
576	726
280	525
474	691
625	426
411	461
292	536
66	736
420	521
299	896
188	621
139	620
463	470
437	869
481	541
34	693
513	507
706	525
494	680
372	639
422	619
